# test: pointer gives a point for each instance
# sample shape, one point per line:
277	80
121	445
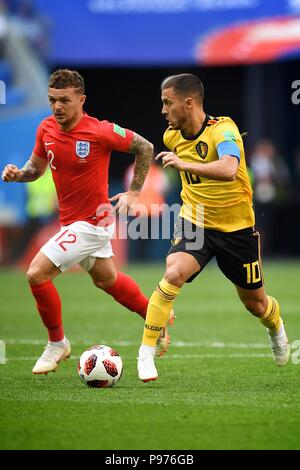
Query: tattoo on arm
143	151
31	172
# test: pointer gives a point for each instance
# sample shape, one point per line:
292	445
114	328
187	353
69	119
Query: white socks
147	350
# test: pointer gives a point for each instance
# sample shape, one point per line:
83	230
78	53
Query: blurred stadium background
246	51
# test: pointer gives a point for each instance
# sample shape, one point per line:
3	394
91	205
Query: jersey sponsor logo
119	130
49	143
202	149
82	148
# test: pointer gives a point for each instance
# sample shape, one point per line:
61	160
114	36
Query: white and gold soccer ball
100	366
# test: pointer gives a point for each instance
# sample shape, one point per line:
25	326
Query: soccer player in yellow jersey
216	217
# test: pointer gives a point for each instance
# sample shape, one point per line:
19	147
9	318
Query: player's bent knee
35	276
176	276
104	283
256	307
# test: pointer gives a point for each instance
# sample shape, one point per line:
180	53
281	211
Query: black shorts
237	253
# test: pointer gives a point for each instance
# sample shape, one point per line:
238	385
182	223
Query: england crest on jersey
82	148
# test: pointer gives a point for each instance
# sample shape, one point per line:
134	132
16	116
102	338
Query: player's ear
189	102
82	99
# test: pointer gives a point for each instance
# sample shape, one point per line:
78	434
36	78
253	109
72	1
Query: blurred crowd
3	28
276	188
27	21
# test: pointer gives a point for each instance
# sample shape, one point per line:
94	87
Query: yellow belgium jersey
220	205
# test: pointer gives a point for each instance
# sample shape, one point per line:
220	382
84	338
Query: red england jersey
79	161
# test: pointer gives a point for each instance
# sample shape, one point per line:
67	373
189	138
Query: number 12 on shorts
253	272
68	238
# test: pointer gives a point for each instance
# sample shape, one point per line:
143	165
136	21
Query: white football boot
279	345
146	367
51	357
164	338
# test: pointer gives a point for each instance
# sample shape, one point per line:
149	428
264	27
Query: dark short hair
185	84
65	78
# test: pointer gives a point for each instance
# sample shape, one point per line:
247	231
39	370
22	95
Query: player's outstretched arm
32	170
143	150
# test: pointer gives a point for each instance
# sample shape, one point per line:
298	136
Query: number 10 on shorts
253	272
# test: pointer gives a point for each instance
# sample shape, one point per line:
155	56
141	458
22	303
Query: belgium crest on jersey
202	149
82	148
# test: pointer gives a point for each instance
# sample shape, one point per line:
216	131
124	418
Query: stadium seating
15	94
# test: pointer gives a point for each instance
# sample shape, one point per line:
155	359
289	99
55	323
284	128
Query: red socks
49	306
127	292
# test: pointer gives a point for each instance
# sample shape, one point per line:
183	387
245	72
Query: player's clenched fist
11	173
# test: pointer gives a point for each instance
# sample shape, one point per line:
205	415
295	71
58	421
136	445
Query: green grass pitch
218	387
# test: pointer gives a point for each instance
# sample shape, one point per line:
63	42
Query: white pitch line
176	344
167	356
233	355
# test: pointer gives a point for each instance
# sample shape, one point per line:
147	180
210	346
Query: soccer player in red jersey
77	147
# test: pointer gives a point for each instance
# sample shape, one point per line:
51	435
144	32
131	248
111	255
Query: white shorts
79	243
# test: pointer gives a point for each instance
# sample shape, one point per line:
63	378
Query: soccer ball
100	366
